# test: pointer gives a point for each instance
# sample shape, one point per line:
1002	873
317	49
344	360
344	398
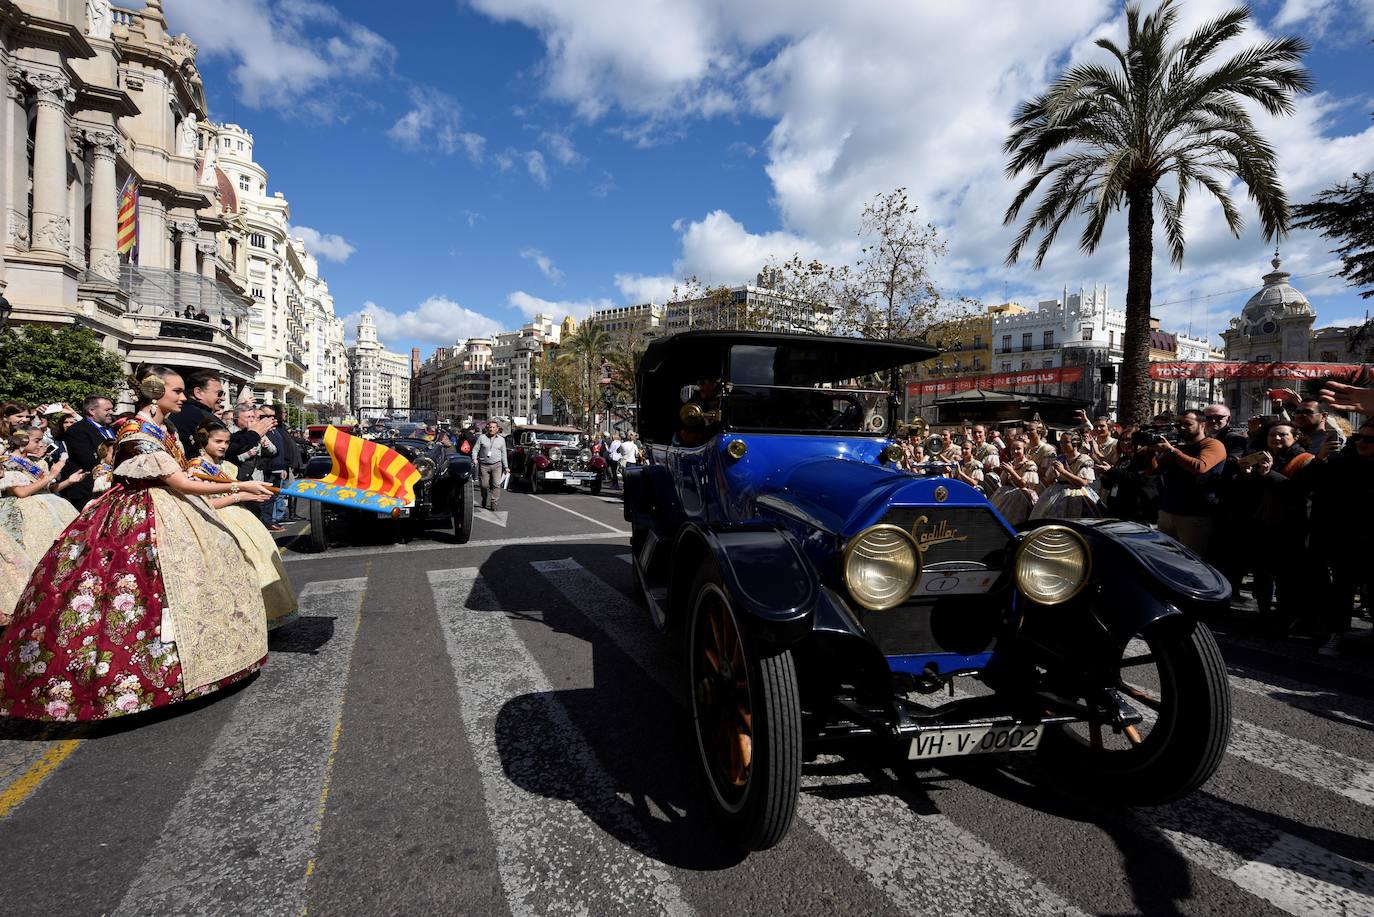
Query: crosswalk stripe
1314	764
495	517
381	550
1332	705
545	846
262	780
1290	873
900	852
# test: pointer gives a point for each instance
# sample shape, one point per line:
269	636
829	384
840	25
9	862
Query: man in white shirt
613	458
629	452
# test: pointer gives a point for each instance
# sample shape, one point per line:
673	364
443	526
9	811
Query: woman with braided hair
146	599
211	439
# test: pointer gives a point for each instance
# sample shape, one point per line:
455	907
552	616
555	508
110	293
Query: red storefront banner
1179	369
996	381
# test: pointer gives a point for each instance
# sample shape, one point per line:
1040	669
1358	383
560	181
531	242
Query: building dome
1276	298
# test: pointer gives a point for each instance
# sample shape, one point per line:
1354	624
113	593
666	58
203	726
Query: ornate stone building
1276	326
95	94
379	379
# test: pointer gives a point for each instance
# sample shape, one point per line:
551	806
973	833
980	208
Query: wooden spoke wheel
747	718
1173	675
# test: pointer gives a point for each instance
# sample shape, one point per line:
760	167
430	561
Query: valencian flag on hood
363	475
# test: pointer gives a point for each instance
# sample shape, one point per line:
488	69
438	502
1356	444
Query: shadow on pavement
628	763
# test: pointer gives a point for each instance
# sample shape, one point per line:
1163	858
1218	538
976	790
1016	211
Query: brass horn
694	415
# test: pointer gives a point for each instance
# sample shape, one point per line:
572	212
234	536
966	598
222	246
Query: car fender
1139	576
460	468
769	582
318	466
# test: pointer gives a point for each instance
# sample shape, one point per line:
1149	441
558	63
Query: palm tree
1119	131
587	348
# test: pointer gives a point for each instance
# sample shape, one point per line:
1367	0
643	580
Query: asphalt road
492	729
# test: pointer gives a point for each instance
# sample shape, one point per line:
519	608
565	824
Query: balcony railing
178	294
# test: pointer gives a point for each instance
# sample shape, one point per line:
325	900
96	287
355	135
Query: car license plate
553	475
975	740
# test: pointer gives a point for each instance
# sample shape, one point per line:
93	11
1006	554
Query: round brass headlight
425	466
891	454
1052	565
737	449
881	566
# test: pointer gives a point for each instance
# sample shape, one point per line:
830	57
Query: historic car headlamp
584	456
881	566
1052	565
555	454
891	455
425	466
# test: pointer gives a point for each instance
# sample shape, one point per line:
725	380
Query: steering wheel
844	420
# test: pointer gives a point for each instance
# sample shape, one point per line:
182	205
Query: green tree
1157	111
64	363
585	351
1345	213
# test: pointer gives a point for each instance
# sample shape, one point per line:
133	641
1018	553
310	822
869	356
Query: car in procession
445	493
825	600
545	457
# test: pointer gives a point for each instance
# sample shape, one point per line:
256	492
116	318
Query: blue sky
458	166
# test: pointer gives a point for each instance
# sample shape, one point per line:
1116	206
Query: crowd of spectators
72	445
1280	508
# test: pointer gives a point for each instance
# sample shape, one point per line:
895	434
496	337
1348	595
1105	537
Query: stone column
105	146
209	248
52	230
16	163
186	254
152	232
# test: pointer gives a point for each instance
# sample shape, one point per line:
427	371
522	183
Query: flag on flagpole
363	475
126	224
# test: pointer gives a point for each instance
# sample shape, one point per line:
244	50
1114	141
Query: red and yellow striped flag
360	464
126	224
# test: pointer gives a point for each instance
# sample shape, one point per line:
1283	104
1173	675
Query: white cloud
639	288
290	55
533	305
1318	16
538	169
560	147
438	321
328	246
544	263
870	95
434	122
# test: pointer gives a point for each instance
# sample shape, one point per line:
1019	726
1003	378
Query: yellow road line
21	789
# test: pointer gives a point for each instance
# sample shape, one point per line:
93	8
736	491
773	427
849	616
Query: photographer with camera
1189	471
1130	488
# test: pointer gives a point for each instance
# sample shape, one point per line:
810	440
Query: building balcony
188	343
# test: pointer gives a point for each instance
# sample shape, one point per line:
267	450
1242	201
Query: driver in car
707	397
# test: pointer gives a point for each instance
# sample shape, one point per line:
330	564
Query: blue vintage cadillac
825	598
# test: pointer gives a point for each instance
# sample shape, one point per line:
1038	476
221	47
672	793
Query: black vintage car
545	457
827	600
446	494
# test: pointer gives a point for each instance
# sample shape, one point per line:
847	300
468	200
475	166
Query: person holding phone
31	509
1071	477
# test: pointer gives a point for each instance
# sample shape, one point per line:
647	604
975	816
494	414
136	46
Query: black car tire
462	515
1185	743
317	539
596	485
748	729
534	483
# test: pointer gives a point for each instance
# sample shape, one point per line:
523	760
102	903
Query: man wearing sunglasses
1309	417
1189	472
1217	424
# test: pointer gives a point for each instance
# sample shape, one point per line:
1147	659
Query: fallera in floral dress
277	595
34	521
144	601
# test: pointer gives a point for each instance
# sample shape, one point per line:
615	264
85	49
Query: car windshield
556	439
794	389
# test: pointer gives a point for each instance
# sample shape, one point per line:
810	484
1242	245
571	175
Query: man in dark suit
204	393
252	450
82	440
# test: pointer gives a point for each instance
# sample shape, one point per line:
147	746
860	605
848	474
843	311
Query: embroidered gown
257	545
1015	503
1066	500
34	521
145	600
